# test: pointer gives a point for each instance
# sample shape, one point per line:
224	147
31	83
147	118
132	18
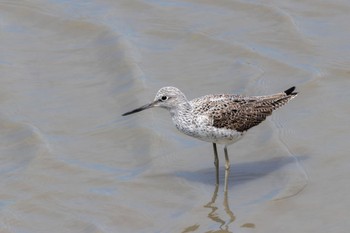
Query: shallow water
70	163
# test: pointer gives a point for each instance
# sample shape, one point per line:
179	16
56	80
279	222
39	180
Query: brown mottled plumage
238	112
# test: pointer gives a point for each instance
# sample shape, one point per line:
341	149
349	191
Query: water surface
70	162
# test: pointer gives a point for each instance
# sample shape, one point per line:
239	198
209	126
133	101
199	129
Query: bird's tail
291	92
275	101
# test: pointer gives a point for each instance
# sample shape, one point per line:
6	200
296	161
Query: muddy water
70	163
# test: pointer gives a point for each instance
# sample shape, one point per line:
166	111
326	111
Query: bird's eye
163	98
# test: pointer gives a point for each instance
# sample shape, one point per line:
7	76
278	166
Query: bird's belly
212	134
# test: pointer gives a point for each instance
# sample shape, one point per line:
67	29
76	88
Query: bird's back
239	113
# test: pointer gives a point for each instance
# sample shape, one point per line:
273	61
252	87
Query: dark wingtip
290	91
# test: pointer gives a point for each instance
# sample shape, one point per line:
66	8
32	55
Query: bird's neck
180	110
181	116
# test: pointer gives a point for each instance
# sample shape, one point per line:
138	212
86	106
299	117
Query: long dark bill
144	107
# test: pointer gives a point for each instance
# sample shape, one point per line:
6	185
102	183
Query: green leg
216	162
227	160
227	168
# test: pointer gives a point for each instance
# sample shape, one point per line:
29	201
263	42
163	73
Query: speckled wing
221	110
240	113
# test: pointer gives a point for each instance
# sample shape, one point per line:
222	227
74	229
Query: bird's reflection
212	215
224	224
243	172
214	208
